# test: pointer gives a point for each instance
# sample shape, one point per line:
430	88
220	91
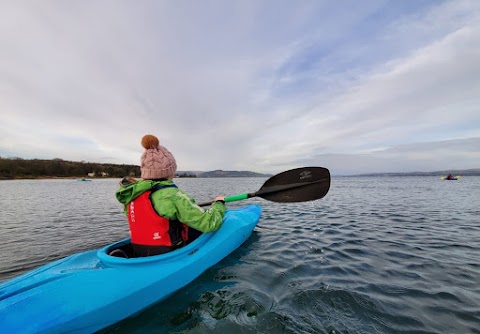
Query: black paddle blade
296	185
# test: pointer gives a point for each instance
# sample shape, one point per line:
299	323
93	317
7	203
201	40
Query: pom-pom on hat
157	162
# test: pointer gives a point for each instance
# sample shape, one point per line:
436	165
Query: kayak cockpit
121	252
237	225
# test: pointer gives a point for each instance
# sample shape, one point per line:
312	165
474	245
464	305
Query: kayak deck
89	291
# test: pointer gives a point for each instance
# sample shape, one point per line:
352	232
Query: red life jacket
150	229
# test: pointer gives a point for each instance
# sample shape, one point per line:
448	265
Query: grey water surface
376	255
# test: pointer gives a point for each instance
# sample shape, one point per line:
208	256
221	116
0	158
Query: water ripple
386	255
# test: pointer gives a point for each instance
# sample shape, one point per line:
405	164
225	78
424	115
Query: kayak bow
86	292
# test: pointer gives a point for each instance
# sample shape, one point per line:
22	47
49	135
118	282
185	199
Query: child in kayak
162	217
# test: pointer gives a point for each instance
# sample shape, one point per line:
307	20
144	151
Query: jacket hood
126	194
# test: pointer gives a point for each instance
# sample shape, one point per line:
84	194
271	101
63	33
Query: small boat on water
450	177
84	180
89	291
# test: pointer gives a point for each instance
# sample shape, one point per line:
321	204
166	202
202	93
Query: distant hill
224	173
462	172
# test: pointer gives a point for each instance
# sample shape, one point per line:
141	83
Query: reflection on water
376	255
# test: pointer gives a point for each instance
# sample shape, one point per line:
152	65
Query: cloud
241	85
430	94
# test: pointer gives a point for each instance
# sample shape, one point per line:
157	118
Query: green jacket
173	203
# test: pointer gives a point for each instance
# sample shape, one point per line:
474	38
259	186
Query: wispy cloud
260	85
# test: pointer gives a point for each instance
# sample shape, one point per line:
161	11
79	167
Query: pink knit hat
157	162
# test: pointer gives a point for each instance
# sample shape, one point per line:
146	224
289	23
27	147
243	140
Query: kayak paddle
295	185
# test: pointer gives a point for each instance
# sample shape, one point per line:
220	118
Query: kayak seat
125	251
118	253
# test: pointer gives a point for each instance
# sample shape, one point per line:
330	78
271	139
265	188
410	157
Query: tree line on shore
17	168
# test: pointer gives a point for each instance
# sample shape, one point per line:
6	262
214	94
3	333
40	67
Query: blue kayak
86	292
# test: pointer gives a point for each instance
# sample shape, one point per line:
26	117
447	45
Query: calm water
376	255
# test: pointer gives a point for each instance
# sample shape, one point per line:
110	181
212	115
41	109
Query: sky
354	86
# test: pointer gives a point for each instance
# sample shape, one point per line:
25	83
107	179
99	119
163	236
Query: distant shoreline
380	175
18	168
54	178
466	172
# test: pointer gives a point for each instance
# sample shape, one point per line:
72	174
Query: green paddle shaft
236	198
233	198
